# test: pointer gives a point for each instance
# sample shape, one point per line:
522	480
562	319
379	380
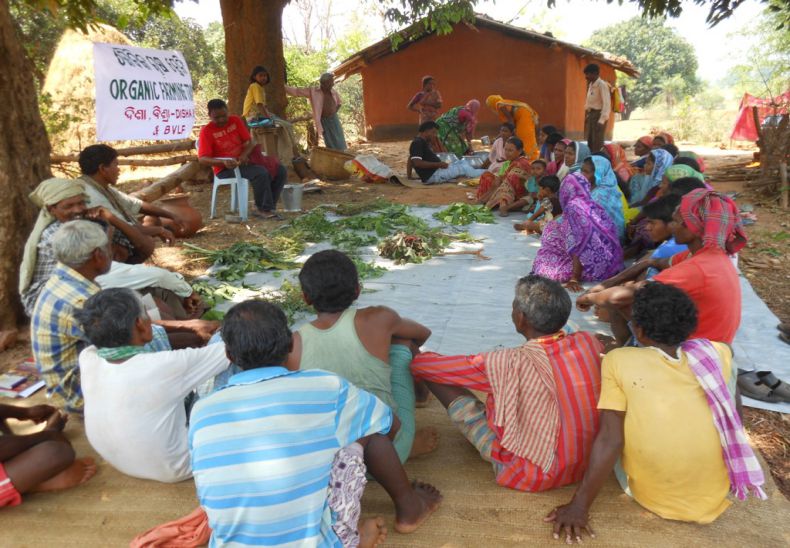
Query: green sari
452	132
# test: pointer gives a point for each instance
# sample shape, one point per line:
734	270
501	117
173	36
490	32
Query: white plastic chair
239	193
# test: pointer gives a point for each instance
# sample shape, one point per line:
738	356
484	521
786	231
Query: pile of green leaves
241	258
461	214
288	297
413	248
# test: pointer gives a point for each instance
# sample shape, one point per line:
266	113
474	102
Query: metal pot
474	161
292	197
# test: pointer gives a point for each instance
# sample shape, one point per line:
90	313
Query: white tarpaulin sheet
467	302
142	94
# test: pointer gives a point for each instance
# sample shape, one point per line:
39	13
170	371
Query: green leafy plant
241	258
460	214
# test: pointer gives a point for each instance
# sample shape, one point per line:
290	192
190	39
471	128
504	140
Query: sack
617	99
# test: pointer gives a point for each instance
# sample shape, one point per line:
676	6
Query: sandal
763	386
268	215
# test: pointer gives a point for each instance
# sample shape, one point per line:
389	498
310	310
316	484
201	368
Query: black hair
672	149
256	71
665	313
663	208
94	156
684	185
426	80
691	162
108	317
544	303
516	142
552	182
660	137
330	281
592	68
256	335
425	126
588	161
540	161
510	126
548	130
216	104
554	138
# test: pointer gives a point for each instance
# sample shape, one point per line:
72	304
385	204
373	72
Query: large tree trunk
24	161
254	36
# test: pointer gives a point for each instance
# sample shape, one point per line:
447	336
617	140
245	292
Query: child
43	461
548	206
659	216
371	347
280	455
668	413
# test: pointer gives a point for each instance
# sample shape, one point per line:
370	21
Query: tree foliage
657	50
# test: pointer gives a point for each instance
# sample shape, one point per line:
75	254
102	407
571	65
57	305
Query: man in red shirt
225	144
708	222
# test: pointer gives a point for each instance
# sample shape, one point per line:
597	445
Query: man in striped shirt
279	456
539	420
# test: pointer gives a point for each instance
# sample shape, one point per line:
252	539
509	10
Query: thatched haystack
69	110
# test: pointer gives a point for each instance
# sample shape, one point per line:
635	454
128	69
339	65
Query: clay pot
190	218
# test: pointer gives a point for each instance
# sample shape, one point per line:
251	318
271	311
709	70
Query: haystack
71	88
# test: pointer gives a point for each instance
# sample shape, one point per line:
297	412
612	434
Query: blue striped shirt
262	449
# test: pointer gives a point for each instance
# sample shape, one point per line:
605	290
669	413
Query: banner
142	94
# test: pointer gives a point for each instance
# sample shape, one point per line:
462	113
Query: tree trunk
24	161
254	36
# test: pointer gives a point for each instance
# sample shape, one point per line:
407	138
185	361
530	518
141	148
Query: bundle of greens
461	214
241	258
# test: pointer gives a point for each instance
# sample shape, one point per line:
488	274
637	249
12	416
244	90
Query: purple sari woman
581	245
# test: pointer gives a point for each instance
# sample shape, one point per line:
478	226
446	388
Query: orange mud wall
473	64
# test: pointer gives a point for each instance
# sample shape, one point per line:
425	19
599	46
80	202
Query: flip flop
764	386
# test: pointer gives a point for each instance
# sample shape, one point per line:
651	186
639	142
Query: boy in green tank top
370	347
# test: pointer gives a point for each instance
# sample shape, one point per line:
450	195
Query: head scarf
675	172
473	106
715	218
607	193
661	160
583	214
667	137
492	100
48	193
646	140
582	152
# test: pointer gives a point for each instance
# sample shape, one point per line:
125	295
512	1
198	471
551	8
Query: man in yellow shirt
654	415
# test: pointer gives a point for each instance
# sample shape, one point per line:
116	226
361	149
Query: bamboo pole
783	184
164	185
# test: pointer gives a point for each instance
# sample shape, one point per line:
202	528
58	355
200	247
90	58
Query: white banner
142	94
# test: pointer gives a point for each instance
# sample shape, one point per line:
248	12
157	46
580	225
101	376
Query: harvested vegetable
460	214
241	258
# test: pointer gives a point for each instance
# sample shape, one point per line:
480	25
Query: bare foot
409	519
80	471
426	440
372	532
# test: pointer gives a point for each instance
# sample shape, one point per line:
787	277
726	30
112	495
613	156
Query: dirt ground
765	261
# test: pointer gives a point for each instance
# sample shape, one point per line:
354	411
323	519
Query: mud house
474	61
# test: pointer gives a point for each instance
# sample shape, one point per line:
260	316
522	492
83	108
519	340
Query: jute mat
111	509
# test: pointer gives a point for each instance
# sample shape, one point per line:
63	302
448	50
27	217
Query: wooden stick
173	146
136	162
164	185
783	184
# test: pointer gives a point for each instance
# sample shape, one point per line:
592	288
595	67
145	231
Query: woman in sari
509	185
457	127
575	153
694	156
553	167
546	148
582	245
522	116
427	102
619	161
657	161
663	138
604	190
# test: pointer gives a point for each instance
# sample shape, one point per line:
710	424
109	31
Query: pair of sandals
763	386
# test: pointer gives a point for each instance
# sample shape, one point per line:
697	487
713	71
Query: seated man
325	102
539	419
133	243
709	224
667	412
134	397
225	144
279	455
82	249
369	347
428	165
63	200
43	461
